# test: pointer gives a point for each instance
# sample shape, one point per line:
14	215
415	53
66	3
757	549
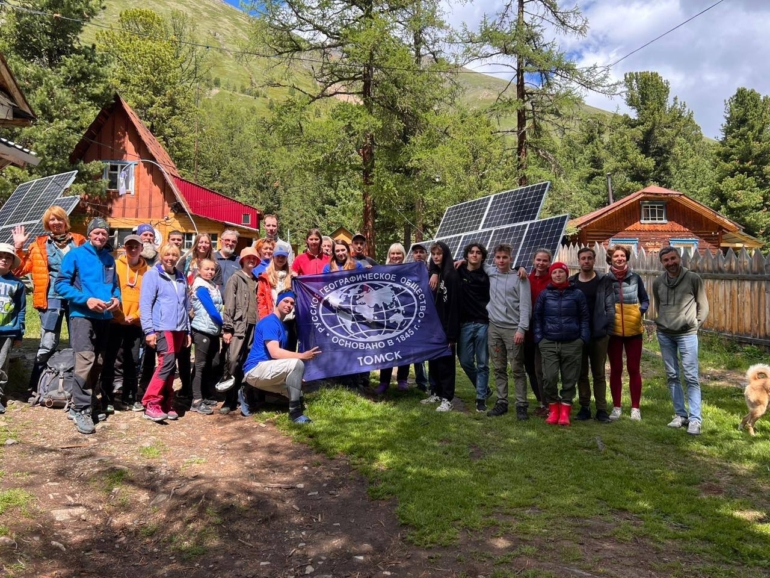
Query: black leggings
206	350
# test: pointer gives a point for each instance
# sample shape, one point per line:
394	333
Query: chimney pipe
609	187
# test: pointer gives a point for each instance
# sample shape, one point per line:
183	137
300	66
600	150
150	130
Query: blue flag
368	319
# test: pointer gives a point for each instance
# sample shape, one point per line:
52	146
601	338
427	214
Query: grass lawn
461	476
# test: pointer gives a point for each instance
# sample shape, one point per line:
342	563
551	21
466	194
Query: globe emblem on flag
369	311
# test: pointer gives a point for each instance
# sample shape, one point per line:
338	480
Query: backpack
54	388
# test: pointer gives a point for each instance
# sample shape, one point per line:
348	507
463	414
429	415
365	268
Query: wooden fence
737	285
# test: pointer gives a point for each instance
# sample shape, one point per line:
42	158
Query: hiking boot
693	428
303	419
98	417
521	413
243	400
137	407
481	405
225	385
110	409
433	398
636	415
444	406
154	413
226	409
172	415
201	407
602	416
210	402
584	414
403	385
616	412
71	413
678	422
381	389
498	410
83	421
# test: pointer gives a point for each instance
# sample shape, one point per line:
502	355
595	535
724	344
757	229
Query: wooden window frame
119	166
656	205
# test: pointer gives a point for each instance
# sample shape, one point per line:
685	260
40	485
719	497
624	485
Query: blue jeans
471	347
687	347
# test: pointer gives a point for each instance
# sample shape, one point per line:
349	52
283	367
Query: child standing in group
13	306
163	307
206	327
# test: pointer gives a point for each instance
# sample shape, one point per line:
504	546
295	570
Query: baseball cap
135	238
281	250
358	236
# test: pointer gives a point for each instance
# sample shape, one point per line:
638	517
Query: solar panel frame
463	217
515	206
544	233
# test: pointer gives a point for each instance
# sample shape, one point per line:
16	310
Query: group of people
133	321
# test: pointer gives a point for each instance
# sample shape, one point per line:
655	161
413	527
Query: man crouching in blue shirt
270	366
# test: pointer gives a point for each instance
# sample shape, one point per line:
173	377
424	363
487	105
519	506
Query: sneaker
678	422
498	410
109	410
602	416
83	421
303	419
2	407
445	405
541	411
98	417
242	399
481	405
636	415
225	409
521	413
71	413
210	402
172	415
616	412
433	398
225	385
154	413
137	407
693	427
584	414
403	385
201	407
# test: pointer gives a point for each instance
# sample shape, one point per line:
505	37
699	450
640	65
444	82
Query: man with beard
146	233
226	257
682	309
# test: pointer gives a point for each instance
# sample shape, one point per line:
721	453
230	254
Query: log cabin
145	186
655	217
15	112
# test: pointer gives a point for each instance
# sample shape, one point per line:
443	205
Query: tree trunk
521	113
419	225
367	160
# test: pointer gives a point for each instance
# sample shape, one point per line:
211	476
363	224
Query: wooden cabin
145	186
655	217
342	234
15	112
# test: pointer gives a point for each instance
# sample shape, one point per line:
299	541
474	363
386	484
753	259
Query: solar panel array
509	217
30	201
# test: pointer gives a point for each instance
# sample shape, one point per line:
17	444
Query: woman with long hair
272	281
312	261
341	260
396	256
43	260
189	263
626	330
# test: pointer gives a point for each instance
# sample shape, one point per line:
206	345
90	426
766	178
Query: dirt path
205	496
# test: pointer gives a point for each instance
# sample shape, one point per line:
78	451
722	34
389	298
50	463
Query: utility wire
666	33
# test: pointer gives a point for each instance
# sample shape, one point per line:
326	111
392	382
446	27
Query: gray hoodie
681	301
510	301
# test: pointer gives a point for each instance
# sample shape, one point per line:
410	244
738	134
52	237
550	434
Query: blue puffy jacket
561	315
86	273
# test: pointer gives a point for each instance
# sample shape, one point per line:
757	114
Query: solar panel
545	234
463	217
516	206
510	235
30	201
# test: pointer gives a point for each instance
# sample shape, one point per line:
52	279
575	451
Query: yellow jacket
631	303
130	279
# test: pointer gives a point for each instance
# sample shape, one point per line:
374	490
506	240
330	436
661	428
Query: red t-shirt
307	264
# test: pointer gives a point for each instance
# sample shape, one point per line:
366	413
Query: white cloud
705	61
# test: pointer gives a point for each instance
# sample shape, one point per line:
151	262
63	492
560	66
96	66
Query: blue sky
705	61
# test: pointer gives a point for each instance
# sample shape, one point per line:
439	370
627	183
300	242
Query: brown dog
757	394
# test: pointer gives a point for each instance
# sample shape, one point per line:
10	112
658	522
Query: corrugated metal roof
213	205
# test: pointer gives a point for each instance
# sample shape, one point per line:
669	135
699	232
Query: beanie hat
97	223
144	228
558	265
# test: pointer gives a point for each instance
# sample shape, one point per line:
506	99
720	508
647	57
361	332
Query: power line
666	33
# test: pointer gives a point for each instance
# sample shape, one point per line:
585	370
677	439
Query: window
654	212
689	245
633	243
190	237
246	219
118	237
112	174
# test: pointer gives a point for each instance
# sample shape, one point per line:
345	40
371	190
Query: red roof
212	205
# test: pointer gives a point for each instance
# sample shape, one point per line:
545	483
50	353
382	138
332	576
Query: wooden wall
737	285
682	222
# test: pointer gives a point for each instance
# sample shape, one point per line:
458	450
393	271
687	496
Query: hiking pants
120	373
560	357
160	391
88	338
502	351
206	349
595	356
50	331
534	366
442	370
237	352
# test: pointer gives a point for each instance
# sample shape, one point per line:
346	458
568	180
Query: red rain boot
553	413
564	411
